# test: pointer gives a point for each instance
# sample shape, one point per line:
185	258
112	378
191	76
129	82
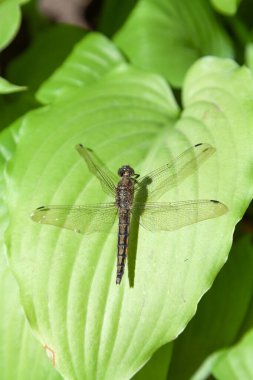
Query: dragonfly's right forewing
170	216
83	219
108	180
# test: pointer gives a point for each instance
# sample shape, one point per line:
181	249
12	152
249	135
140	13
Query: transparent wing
82	219
174	215
159	181
107	179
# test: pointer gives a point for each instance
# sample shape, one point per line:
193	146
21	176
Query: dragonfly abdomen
124	224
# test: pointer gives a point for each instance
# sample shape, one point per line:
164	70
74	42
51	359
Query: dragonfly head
126	171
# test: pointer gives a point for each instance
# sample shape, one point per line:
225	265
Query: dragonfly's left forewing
174	215
82	219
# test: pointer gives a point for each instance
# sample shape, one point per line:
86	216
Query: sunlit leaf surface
67	281
21	356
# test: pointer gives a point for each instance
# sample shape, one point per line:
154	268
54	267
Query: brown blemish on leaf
50	353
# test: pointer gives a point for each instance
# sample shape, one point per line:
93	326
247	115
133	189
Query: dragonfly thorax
125	193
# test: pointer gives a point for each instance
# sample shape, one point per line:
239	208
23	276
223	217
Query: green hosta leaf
23	1
57	42
228	7
157	366
169	36
7	147
230	301
108	23
67	281
21	357
92	58
236	363
249	56
205	370
47	51
8	88
10	17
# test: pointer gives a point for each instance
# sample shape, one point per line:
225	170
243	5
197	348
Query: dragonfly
135	197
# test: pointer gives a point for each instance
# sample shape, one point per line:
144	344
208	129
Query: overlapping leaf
169	36
10	17
8	88
228	7
92	58
49	48
236	363
249	55
157	366
227	304
108	23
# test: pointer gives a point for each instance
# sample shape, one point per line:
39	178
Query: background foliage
153	78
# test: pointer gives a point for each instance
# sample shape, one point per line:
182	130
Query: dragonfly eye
126	170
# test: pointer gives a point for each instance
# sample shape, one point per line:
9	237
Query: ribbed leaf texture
95	329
